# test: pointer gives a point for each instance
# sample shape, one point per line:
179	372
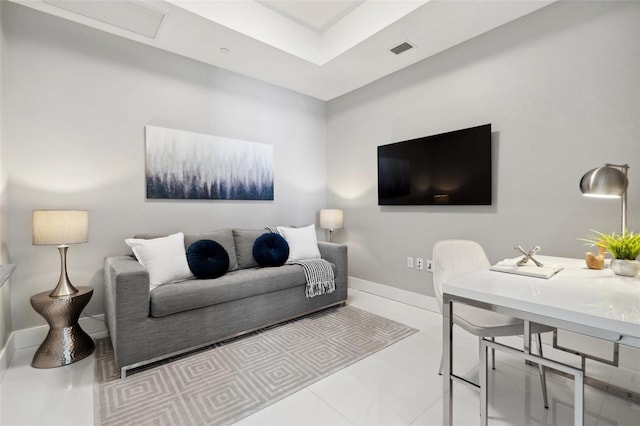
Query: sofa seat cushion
172	298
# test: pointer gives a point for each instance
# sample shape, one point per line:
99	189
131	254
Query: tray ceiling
320	48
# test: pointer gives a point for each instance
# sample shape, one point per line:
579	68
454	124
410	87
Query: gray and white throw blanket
319	275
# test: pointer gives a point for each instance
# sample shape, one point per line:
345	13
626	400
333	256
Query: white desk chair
455	258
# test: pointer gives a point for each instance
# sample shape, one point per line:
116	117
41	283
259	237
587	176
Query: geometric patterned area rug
231	380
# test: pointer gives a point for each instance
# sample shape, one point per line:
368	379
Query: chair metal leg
543	377
493	355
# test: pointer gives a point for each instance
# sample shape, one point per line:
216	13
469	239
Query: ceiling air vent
402	48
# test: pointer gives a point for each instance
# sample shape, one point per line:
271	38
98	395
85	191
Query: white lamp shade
604	182
331	219
57	227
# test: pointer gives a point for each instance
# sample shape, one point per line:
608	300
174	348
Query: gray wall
561	88
76	103
5	290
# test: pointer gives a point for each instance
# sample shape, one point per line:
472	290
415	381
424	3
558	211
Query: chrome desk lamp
609	181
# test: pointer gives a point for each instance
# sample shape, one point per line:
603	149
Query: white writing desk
594	303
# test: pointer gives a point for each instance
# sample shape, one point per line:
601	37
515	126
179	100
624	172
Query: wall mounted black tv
451	168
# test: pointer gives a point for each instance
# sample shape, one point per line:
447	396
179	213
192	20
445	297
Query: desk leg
527	337
484	383
447	357
578	409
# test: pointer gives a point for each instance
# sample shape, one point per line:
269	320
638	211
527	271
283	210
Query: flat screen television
451	168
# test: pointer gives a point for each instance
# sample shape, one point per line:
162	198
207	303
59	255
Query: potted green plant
624	248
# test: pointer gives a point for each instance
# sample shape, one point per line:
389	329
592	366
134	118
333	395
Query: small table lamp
609	181
331	219
61	227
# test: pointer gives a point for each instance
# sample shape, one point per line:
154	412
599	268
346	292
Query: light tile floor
396	386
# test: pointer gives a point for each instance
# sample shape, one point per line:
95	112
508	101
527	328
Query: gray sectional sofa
147	326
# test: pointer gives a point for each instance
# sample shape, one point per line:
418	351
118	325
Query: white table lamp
61	227
331	219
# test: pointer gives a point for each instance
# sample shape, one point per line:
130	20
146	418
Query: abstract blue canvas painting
189	165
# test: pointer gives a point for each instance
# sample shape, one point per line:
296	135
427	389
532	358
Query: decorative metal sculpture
528	255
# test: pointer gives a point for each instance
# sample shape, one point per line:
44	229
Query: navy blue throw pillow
270	249
207	259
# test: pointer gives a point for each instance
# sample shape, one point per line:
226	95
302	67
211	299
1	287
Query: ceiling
320	48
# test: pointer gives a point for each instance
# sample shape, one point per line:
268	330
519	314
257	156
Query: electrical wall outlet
429	265
419	263
409	262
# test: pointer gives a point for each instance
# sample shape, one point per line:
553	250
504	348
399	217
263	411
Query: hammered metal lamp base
66	342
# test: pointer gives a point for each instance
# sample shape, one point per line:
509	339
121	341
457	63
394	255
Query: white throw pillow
164	258
303	243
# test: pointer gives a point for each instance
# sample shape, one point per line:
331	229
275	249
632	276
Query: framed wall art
188	165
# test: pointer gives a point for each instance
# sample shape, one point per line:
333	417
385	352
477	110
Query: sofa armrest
336	254
126	306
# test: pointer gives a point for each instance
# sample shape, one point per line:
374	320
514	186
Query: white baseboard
6	354
421	301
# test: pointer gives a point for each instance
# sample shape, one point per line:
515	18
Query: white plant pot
627	268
